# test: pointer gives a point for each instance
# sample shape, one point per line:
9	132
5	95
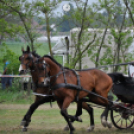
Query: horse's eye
28	58
19	58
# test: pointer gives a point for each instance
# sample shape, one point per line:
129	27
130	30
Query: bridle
47	77
30	61
44	67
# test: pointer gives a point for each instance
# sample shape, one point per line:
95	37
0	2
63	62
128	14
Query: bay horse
60	78
28	61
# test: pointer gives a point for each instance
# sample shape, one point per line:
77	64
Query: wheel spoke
116	116
126	123
129	119
121	122
118	120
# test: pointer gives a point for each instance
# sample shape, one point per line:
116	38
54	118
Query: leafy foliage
11	57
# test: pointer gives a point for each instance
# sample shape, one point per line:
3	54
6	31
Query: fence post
22	87
29	87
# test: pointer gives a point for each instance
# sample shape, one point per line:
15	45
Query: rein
62	71
72	86
110	65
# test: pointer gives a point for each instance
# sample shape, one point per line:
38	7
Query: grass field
45	120
16	47
48	120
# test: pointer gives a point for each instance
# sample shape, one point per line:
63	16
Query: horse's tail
119	77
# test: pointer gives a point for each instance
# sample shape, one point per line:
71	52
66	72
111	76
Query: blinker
44	66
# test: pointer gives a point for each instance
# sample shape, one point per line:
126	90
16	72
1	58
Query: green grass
15	97
16	47
42	50
45	120
48	120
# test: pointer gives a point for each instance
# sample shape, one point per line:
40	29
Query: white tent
60	48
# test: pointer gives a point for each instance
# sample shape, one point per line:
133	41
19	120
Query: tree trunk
48	34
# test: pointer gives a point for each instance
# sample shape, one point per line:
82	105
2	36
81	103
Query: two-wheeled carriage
122	113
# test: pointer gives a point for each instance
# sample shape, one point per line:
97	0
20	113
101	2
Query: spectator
6	81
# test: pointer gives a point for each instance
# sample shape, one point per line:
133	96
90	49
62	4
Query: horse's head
43	72
26	60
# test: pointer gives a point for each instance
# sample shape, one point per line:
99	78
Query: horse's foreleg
27	118
64	113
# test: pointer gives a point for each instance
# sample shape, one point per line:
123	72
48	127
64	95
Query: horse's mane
47	56
35	54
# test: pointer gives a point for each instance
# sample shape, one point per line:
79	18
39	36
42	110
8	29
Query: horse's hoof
91	128
109	124
79	119
66	128
22	123
103	121
24	129
71	132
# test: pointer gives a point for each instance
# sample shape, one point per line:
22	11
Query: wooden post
29	87
22	87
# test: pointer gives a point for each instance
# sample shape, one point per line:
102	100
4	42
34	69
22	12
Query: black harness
53	86
77	87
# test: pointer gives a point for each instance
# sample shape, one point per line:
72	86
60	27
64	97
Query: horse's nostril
22	72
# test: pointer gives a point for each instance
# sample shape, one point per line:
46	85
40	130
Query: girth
67	85
78	84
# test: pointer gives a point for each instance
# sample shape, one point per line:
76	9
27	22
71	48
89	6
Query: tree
47	7
118	22
110	42
9	26
26	13
80	16
10	56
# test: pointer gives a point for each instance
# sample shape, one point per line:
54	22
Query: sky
59	9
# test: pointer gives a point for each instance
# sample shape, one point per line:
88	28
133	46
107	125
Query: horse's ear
22	49
28	49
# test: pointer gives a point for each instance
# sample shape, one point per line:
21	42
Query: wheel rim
122	120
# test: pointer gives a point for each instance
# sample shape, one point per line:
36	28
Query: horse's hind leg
104	116
90	112
104	119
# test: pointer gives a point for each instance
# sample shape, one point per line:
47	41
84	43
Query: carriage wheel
121	119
